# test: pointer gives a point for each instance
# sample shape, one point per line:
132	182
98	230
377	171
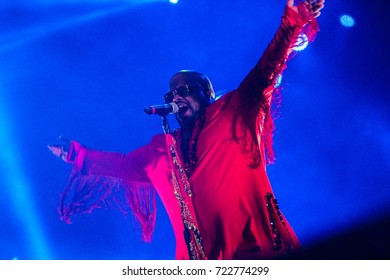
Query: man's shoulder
223	103
158	140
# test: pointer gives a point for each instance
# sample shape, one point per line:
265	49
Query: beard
190	112
187	117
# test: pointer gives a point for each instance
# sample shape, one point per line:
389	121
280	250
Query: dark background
86	69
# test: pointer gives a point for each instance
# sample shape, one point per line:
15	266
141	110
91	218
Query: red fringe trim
84	193
311	30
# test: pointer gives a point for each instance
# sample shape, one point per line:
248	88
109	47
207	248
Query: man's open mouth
182	107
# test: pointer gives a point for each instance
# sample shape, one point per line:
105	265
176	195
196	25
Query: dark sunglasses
182	91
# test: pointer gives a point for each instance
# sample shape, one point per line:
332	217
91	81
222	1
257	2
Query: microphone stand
165	124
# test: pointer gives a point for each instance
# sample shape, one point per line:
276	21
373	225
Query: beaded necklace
183	194
181	170
189	152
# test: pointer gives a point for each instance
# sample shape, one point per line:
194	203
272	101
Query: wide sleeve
273	61
108	179
258	94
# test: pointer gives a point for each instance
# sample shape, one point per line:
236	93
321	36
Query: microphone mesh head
175	108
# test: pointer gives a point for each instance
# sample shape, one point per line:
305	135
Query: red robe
237	215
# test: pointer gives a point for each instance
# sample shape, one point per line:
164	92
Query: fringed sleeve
273	61
105	179
258	93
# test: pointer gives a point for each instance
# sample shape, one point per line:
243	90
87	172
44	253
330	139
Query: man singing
211	172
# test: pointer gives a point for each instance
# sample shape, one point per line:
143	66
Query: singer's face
191	105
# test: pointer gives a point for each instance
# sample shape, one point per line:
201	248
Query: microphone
162	110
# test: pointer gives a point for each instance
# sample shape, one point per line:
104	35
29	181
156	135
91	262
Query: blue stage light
18	189
347	21
301	43
174	1
19	37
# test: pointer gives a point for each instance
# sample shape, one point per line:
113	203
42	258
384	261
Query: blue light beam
19	189
20	37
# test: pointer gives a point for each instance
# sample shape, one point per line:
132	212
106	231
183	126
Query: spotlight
347	21
301	43
174	1
19	198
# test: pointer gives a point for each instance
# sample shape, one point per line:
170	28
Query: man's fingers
317	6
61	150
314	7
317	14
57	150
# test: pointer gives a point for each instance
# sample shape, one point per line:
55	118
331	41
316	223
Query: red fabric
183	194
102	179
237	215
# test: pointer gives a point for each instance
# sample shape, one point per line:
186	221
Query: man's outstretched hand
313	7
61	149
